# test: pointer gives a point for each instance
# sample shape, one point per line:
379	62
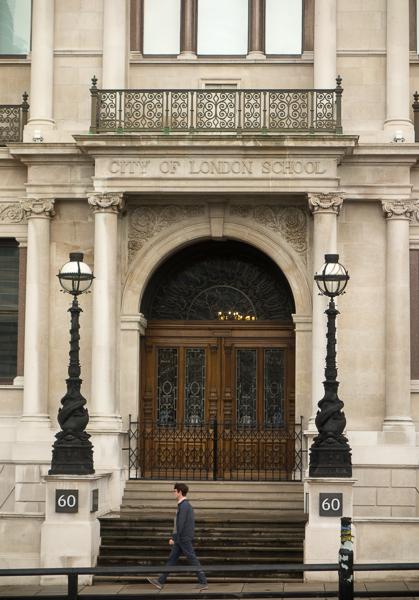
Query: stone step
223	486
245	550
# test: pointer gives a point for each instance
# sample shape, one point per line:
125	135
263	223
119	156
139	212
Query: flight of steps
236	523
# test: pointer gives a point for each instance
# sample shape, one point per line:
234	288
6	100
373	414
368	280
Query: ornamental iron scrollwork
305	110
13	118
200	283
213	450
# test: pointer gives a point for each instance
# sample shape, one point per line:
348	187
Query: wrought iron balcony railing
217	110
13	118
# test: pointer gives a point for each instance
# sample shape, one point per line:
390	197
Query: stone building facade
133	188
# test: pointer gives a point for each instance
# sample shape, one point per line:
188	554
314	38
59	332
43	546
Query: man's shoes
155	582
201	586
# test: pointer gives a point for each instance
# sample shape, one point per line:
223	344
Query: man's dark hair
182	488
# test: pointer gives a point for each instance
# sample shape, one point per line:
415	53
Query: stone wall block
27	474
372	511
396	497
403	478
372	477
365	496
30	492
403	511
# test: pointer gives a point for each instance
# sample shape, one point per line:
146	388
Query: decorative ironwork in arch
211	279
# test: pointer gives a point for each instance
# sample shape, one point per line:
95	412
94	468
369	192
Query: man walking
181	540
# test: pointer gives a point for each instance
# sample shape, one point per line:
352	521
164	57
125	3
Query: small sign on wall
66	501
331	505
95	500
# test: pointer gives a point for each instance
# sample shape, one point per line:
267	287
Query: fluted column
35	394
325	44
325	209
256	29
398	416
104	409
115	44
398	98
42	68
188	33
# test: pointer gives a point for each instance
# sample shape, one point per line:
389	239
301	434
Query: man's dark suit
183	537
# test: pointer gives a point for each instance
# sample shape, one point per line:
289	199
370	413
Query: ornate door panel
214	399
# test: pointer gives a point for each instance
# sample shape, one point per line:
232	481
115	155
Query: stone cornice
330	202
38	207
111	202
399	209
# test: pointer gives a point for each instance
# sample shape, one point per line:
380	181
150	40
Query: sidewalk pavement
102	590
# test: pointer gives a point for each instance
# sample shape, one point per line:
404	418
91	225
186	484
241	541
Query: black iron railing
13	118
72	574
217	110
215	451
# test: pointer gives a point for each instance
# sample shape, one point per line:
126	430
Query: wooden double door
217	400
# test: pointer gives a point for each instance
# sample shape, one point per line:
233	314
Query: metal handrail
216	110
72	574
13	118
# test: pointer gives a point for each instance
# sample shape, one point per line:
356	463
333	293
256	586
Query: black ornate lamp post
72	452
330	453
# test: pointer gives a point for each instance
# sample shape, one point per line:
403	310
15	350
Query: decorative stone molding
325	202
147	221
38	207
399	209
107	201
289	221
11	213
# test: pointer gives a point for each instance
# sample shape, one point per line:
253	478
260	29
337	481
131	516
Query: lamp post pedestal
70	534
327	500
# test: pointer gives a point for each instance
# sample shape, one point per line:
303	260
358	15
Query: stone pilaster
398	98
325	208
325	44
35	421
398	214
104	411
115	44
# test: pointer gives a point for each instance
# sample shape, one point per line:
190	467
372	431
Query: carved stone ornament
11	213
107	201
399	209
148	221
289	221
38	207
330	202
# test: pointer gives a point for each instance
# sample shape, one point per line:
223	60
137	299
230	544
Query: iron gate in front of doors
215	451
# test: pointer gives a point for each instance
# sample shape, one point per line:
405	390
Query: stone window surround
22	246
188	33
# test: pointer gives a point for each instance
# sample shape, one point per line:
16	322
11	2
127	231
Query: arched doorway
217	397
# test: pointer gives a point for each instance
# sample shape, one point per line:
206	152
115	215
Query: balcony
239	111
13	118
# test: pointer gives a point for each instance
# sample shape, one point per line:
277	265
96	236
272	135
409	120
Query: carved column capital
398	209
111	202
38	207
325	202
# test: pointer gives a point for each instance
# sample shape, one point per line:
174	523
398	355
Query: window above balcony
216	28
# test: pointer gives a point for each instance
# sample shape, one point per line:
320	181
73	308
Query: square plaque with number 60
67	501
330	505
